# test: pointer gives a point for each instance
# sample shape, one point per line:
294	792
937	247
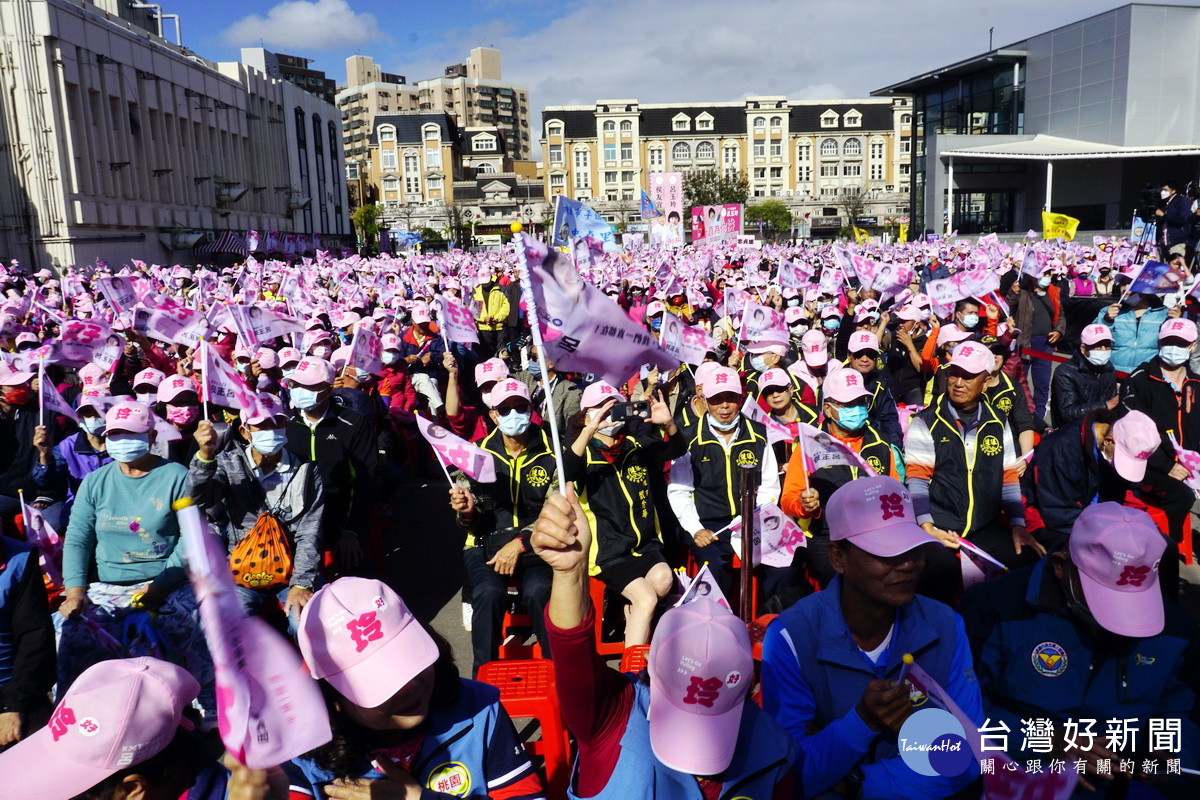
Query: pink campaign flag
366	351
688	343
757	320
823	450
268	708
119	292
221	382
977	566
52	401
582	329
831	281
777	535
794	276
1190	460
775	431
892	280
458	322
703	585
455	451
49	544
1004	782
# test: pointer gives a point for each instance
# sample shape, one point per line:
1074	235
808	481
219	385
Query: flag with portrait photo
758	320
775	432
454	451
778	536
688	343
222	384
457	321
366	351
821	449
705	585
1155	277
40	534
794	276
119	291
51	400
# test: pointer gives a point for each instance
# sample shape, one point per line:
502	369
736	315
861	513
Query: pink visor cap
876	515
505	389
357	634
700	667
973	358
1136	438
844	385
1179	328
128	416
494	369
814	348
598	393
721	380
1117	550
1094	334
118	713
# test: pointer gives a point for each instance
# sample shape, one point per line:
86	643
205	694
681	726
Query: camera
635	409
1148	202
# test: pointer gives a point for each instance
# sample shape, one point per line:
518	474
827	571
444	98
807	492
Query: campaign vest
522	482
762	757
717	473
15	557
619	503
968	474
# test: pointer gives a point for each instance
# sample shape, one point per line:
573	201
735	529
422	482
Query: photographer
1174	222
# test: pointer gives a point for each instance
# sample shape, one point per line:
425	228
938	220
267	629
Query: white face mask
1173	355
1098	358
1164	194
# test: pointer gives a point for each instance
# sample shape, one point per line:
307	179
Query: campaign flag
976	281
902	236
704	585
757	320
81	338
716	223
978	566
1190	460
119	292
1055	226
735	301
793	275
778	536
574	220
457	321
51	400
253	323
821	449
1155	277
268	708
775	432
688	343
865	269
943	294
49	544
891	279
582	329
649	210
455	451
1030	265
831	281
222	384
366	351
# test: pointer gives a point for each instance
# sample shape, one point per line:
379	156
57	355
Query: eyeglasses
520	408
865	354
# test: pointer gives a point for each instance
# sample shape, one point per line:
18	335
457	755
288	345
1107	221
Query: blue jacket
468	751
1036	659
813	674
1135	340
762	758
1069	475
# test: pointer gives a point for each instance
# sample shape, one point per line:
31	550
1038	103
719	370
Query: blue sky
651	50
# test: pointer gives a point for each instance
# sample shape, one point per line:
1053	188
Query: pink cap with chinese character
876	515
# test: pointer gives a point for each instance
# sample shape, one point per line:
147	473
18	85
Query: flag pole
204	364
535	330
442	464
42	391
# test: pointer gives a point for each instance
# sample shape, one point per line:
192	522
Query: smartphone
637	409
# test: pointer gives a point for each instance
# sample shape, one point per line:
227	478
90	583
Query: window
776	172
435	184
760	148
829	147
682	151
627	176
387	134
391	184
610	151
776	122
905	169
557	181
626	125
556	153
804	152
829	170
433	158
705	151
387	159
730	155
804	174
656	157
876	150
760	173
877	172
554	130
852	147
582	180
352	171
852	170
412	184
411	165
485	143
829	119
680	123
905	146
582	159
852	121
626	151
610	176
431	132
776	147
906	119
759	193
760	122
704	123
609	125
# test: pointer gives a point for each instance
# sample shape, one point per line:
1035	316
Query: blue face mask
514	423
128	447
852	418
969	321
656	324
759	363
268	442
535	368
304	399
831	324
93	425
1173	355
1043	281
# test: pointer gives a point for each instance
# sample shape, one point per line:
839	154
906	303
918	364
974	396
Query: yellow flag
903	237
1056	225
860	235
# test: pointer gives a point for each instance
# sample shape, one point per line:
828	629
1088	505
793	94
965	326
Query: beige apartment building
804	153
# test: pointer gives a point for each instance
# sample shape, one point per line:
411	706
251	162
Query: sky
651	50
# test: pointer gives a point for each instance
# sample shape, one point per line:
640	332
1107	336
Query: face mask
147	398
1105	271
723	427
183	415
832	324
1173	355
1043	281
268	442
656	324
611	430
1164	194
304	399
93	425
322	351
128	447
287	373
969	321
759	363
800	328
362	376
535	368
1098	358
852	417
390	357
514	423
19	396
793	302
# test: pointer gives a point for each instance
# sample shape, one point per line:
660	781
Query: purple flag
455	451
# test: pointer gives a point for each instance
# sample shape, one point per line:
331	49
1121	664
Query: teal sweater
126	526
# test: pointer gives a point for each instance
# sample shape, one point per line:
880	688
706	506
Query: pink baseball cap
875	514
830	312
1094	334
91	376
655	307
27	338
721	380
1178	328
973	358
773	341
793	314
862	340
700	667
948	334
494	369
599	393
774	377
128	416
266	358
420	313
1117	552
290	355
359	635
173	386
11	376
909	312
845	386
509	387
99	401
1136	438
148	377
390	341
268	407
313	371
116	714
814	348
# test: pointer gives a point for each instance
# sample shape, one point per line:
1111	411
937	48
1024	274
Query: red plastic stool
634	658
527	690
514	645
596	590
758	631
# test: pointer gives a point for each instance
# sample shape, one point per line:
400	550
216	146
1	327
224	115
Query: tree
453	214
853	203
407	212
774	215
711	187
366	221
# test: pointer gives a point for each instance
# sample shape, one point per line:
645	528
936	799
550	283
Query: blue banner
574	220
649	210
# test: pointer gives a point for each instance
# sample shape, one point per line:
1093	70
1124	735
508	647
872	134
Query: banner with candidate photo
711	224
666	193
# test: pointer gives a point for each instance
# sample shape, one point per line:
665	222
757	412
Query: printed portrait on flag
716	223
666	191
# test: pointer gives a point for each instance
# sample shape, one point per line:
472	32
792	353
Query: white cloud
300	26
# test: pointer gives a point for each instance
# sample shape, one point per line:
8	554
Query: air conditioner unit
297	201
230	193
788	192
181	241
